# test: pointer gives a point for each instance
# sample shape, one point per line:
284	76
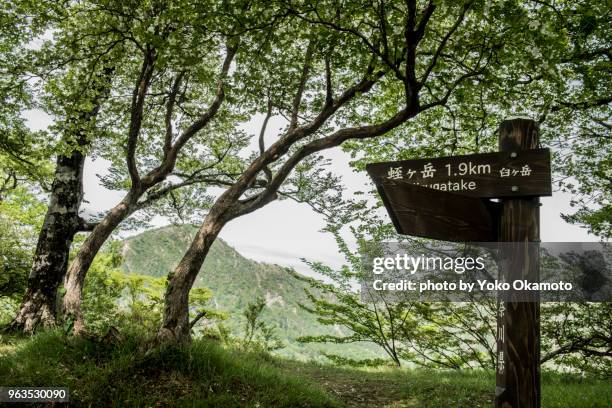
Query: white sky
285	231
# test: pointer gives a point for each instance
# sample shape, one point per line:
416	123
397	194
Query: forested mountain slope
236	281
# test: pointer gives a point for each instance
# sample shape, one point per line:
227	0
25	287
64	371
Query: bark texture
175	326
61	222
75	277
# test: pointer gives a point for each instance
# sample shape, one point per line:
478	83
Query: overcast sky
284	231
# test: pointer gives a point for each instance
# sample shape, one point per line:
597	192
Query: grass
405	388
120	373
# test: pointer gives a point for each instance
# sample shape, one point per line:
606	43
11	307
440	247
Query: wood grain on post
518	371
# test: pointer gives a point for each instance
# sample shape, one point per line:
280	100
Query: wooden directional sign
522	173
427	213
447	198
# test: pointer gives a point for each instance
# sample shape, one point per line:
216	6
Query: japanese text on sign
428	170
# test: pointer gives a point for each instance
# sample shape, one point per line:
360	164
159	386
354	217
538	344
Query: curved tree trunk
175	326
75	277
61	222
78	269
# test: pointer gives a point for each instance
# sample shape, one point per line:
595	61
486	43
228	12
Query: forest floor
124	373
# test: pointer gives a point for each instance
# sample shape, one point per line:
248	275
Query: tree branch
196	319
169	161
373	47
582	105
581	345
442	44
262	132
427	13
329	90
170	110
136	113
337	138
295	108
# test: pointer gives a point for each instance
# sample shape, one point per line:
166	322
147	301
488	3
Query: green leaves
112	297
546	61
21	216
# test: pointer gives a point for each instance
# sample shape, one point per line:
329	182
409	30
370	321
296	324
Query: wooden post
518	346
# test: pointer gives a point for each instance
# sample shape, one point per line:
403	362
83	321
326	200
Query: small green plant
112	298
257	333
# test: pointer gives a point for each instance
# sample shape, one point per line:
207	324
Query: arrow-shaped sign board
486	175
427	213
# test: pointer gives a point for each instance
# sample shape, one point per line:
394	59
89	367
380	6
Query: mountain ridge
236	281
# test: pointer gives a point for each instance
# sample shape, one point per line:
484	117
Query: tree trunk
61	222
75	278
175	326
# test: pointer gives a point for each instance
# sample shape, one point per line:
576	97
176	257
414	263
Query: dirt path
355	388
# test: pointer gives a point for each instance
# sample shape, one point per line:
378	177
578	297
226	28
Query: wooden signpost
518	327
448	198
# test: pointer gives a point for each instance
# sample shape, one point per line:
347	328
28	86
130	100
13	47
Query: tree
165	75
114	300
382	323
431	334
560	77
22	155
591	269
24	168
578	335
366	70
21	215
443	334
105	76
88	85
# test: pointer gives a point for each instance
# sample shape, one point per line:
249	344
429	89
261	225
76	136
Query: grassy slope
393	388
122	374
236	280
